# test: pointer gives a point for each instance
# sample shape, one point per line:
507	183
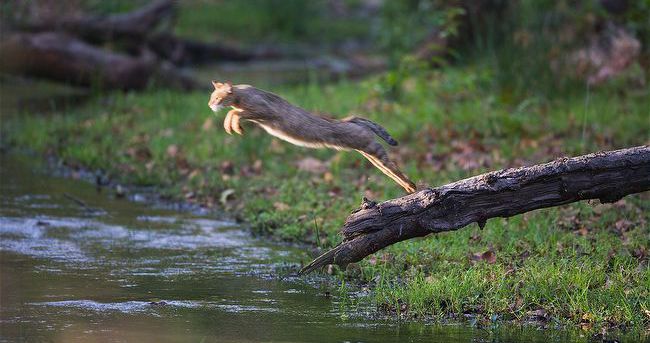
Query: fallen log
181	51
134	25
142	27
60	57
607	176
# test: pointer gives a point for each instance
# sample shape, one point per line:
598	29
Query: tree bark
607	176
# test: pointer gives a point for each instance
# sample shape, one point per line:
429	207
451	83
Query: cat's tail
374	127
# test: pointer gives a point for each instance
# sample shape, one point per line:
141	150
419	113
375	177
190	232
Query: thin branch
79	202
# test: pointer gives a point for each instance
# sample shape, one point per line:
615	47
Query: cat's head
221	96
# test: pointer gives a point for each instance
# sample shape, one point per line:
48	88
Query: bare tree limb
607	176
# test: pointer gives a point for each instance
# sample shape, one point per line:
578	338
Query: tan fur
297	126
231	123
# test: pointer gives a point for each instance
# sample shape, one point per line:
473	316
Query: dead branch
607	176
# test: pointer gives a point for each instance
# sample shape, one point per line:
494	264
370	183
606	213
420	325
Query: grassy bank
585	265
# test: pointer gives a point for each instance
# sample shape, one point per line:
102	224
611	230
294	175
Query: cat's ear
216	84
228	85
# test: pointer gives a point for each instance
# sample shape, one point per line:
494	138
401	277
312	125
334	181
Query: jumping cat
297	126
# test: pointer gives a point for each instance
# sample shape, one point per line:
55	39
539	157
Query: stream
79	265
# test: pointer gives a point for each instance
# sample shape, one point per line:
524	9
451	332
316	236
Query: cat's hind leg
376	154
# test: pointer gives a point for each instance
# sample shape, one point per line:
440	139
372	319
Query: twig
79	202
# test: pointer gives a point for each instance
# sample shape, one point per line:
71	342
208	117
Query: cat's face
221	96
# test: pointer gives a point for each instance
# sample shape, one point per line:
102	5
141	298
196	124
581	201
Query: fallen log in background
607	176
145	26
134	25
182	51
60	57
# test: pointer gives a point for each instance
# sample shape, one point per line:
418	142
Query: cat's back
248	92
255	99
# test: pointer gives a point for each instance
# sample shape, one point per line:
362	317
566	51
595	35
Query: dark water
126	271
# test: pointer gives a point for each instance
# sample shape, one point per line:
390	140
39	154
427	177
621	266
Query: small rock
330	269
120	192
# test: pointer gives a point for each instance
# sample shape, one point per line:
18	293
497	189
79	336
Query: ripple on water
246	308
36	227
124	307
211	223
46	248
175	241
148	306
293	291
215	245
183	238
158	219
42	237
32	197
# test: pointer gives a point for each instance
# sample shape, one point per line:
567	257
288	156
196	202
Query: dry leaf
280	206
194	173
208	124
141	154
328	177
312	165
489	256
225	195
622	225
172	150
227	168
582	231
257	166
539	313
167	132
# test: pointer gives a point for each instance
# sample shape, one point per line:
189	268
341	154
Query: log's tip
320	261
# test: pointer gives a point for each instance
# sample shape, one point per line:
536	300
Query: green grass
590	280
582	265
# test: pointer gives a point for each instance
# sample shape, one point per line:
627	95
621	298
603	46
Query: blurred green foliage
405	25
525	43
267	21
